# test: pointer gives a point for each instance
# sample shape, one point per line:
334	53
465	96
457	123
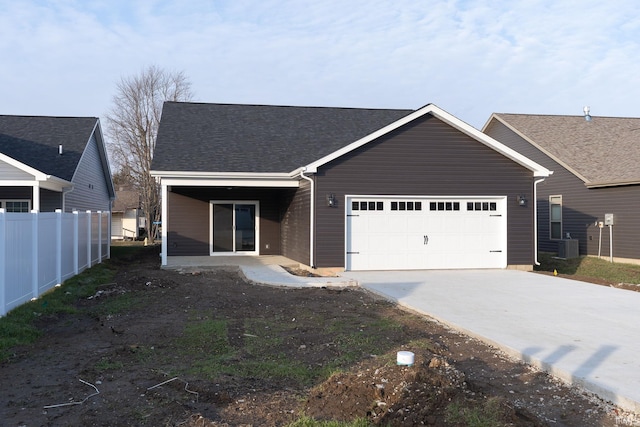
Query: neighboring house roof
602	152
34	141
33	144
228	138
125	200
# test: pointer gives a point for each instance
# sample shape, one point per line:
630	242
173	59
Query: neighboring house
346	188
126	215
49	163
595	163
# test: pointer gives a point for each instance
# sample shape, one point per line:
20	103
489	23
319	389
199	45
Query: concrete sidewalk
585	334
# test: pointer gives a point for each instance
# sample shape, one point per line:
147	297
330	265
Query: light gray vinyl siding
90	191
9	172
582	207
426	157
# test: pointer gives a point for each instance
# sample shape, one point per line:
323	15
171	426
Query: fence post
76	238
58	247
99	237
109	233
34	254
89	239
3	263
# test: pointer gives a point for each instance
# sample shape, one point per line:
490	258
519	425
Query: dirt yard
131	355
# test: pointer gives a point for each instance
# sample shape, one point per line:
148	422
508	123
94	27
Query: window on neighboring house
16	205
555	217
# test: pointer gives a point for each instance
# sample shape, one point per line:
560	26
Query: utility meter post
608	221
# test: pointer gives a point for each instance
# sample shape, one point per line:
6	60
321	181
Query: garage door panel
437	233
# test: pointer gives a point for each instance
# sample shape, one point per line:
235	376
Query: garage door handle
426	239
352	215
495	215
495	251
353	253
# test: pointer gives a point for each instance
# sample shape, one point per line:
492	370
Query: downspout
66	190
312	218
535	220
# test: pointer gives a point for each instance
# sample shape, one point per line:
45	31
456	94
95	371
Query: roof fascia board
229	183
104	158
219	175
97	131
53	184
227	180
542	149
538	170
610	184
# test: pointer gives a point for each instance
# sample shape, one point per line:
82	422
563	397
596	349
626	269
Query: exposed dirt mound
126	357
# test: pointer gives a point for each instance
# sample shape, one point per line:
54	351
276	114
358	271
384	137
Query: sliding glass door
234	227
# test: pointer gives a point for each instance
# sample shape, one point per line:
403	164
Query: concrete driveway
583	333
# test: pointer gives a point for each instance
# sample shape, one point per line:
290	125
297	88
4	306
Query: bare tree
133	126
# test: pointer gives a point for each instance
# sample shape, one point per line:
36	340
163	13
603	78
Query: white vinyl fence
41	250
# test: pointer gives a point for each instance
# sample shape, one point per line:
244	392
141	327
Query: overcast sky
469	57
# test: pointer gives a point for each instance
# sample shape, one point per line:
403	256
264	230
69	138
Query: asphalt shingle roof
605	150
34	141
126	199
200	137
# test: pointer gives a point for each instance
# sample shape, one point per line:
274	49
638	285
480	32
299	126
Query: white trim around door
234	227
423	233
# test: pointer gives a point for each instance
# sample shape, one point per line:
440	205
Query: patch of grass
354	341
19	326
208	341
116	304
488	414
106	364
591	267
266	352
305	421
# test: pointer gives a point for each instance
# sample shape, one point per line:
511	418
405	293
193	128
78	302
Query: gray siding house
595	164
49	163
342	188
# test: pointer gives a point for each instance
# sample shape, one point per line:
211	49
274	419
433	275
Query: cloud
469	57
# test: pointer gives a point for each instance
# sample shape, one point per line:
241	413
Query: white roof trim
37	175
218	175
538	170
45	181
228	179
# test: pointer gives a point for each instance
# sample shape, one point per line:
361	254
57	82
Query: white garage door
414	233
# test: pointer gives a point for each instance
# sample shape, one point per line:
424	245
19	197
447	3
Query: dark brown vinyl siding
426	157
581	206
296	223
50	200
16	193
189	218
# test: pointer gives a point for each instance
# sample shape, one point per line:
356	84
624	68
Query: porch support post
36	197
164	222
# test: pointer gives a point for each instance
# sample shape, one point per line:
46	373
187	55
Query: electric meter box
608	219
